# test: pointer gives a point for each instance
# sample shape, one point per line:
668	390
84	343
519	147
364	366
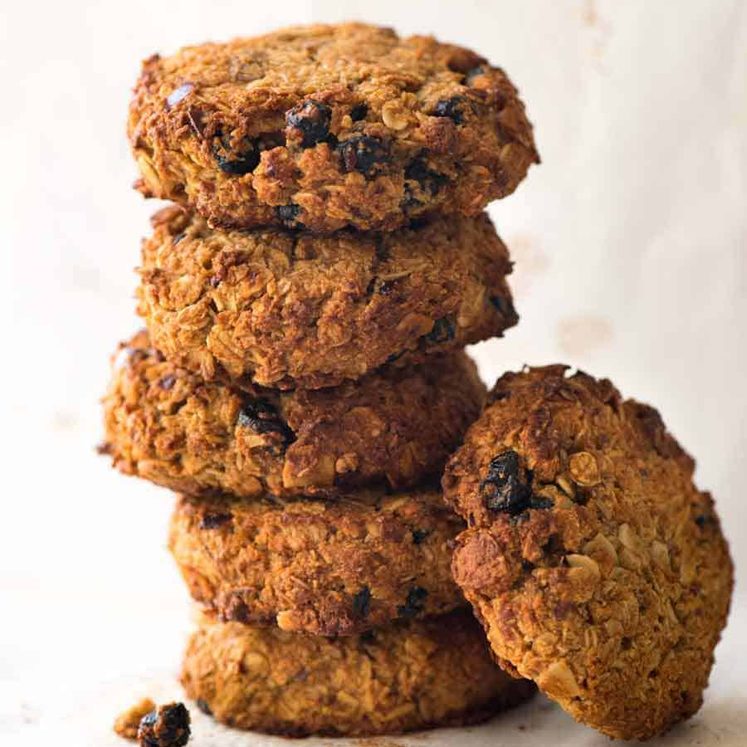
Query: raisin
502	305
362	602
312	120
215	519
166	726
429	182
382	251
232	162
507	486
262	417
415	602
386	287
443	330
362	153
452	108
416	224
358	112
418	535
288	214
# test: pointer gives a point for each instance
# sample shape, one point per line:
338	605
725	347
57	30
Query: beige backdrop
629	242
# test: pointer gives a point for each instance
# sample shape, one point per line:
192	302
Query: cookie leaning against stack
302	390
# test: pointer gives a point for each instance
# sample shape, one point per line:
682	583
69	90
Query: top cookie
326	127
597	567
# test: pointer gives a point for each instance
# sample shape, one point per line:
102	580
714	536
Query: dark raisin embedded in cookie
215	519
507	486
454	108
443	330
235	162
415	602
362	153
288	214
418	535
263	418
362	602
358	112
309	120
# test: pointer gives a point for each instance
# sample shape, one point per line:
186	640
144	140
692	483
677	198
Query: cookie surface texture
399	678
393	428
328	567
328	127
597	567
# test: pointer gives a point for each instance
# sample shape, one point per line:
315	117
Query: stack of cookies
302	383
302	379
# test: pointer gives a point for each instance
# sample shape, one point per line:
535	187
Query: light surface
631	262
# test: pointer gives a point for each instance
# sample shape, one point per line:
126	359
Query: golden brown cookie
289	308
403	677
327	127
325	567
597	567
394	427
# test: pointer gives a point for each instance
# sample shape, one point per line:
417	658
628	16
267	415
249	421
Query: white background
629	241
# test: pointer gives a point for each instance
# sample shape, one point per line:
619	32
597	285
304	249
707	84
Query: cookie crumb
127	723
165	726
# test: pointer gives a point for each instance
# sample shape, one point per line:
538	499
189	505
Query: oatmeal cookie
320	566
327	127
395	427
597	567
399	678
295	309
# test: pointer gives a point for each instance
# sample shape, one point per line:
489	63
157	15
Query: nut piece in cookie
327	127
402	677
597	567
165	726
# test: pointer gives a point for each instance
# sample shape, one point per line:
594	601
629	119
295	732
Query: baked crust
393	428
597	567
319	566
327	127
295	309
399	678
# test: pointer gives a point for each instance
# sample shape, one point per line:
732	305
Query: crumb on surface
165	726
127	723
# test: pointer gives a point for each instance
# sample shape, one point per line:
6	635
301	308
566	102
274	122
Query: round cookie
327	127
403	677
319	566
597	567
295	309
393	428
